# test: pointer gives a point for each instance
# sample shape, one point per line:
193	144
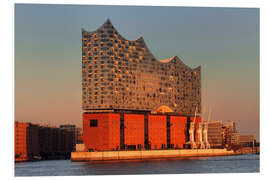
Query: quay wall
147	154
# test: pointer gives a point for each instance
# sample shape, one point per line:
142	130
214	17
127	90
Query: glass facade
123	74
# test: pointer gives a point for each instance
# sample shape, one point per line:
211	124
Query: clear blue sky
224	41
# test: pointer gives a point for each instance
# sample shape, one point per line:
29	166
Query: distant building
235	137
21	140
215	132
230	134
75	133
55	141
33	147
246	140
69	127
224	135
34	140
75	130
231	126
26	141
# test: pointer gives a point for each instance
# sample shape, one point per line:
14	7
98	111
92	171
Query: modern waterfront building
246	140
231	126
235	137
229	136
215	132
131	100
123	74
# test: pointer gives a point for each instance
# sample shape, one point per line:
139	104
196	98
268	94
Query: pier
147	154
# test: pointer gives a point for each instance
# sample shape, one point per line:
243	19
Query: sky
223	41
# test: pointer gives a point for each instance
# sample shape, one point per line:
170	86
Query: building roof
174	59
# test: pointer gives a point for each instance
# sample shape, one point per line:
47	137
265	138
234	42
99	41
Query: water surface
225	164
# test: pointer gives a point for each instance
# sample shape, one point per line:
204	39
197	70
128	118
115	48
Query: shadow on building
34	142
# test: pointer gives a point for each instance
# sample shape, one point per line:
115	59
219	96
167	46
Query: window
93	123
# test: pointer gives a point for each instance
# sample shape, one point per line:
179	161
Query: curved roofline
141	39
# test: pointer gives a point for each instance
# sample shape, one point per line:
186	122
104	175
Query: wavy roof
141	40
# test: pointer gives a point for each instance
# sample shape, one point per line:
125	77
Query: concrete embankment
147	154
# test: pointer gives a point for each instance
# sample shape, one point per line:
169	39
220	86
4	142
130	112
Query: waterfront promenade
147	154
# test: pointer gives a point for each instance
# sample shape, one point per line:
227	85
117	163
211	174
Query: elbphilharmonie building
130	99
123	74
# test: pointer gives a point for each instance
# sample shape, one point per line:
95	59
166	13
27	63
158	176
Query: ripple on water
225	164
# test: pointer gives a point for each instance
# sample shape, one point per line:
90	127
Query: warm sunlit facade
123	74
131	100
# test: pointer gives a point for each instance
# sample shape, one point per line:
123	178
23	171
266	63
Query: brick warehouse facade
32	141
131	100
26	140
102	131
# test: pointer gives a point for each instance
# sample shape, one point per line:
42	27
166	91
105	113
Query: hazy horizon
224	41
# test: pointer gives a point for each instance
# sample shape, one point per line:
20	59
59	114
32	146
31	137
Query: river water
225	164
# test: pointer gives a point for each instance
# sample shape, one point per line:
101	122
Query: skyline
214	38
